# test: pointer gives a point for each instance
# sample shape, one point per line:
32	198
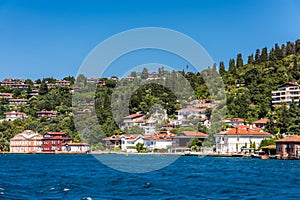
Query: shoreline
155	154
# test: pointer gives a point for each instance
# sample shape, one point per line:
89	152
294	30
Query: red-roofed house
288	148
62	83
17	102
112	141
13	115
133	120
235	121
5	95
158	141
261	123
26	142
46	113
233	139
129	142
54	141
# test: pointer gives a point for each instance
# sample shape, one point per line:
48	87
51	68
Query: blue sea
85	177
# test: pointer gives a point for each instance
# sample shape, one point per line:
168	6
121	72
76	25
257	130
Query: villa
129	142
17	102
46	113
261	123
54	141
158	141
26	142
13	115
190	112
133	120
62	83
235	121
112	142
6	95
234	139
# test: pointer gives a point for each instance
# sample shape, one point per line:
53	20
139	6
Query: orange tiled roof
133	116
261	121
236	119
245	130
289	139
191	108
194	133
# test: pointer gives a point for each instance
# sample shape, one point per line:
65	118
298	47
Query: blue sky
40	38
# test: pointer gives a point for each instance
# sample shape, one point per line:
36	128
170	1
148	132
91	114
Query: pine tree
239	61
264	55
250	59
257	55
43	88
290	48
297	46
272	56
283	49
278	52
231	68
222	68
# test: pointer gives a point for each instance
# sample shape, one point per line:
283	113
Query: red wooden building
53	141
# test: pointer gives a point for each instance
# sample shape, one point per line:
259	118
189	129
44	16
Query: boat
264	157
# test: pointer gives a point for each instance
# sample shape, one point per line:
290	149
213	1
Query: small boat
264	157
255	155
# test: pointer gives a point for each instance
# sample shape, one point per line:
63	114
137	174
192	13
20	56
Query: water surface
84	177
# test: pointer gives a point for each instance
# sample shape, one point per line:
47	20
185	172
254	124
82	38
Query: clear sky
40	38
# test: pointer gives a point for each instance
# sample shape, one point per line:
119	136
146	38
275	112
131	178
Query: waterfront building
112	142
286	93
26	142
234	139
288	148
129	142
183	139
76	147
54	141
158	141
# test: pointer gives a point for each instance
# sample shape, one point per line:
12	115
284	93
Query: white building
233	139
129	142
133	120
17	102
26	142
235	121
76	147
158	141
13	115
286	93
185	113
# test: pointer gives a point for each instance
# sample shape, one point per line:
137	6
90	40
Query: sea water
85	177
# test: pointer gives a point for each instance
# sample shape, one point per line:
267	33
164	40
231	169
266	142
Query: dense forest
248	87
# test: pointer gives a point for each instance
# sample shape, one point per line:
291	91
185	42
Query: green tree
43	88
222	68
239	61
